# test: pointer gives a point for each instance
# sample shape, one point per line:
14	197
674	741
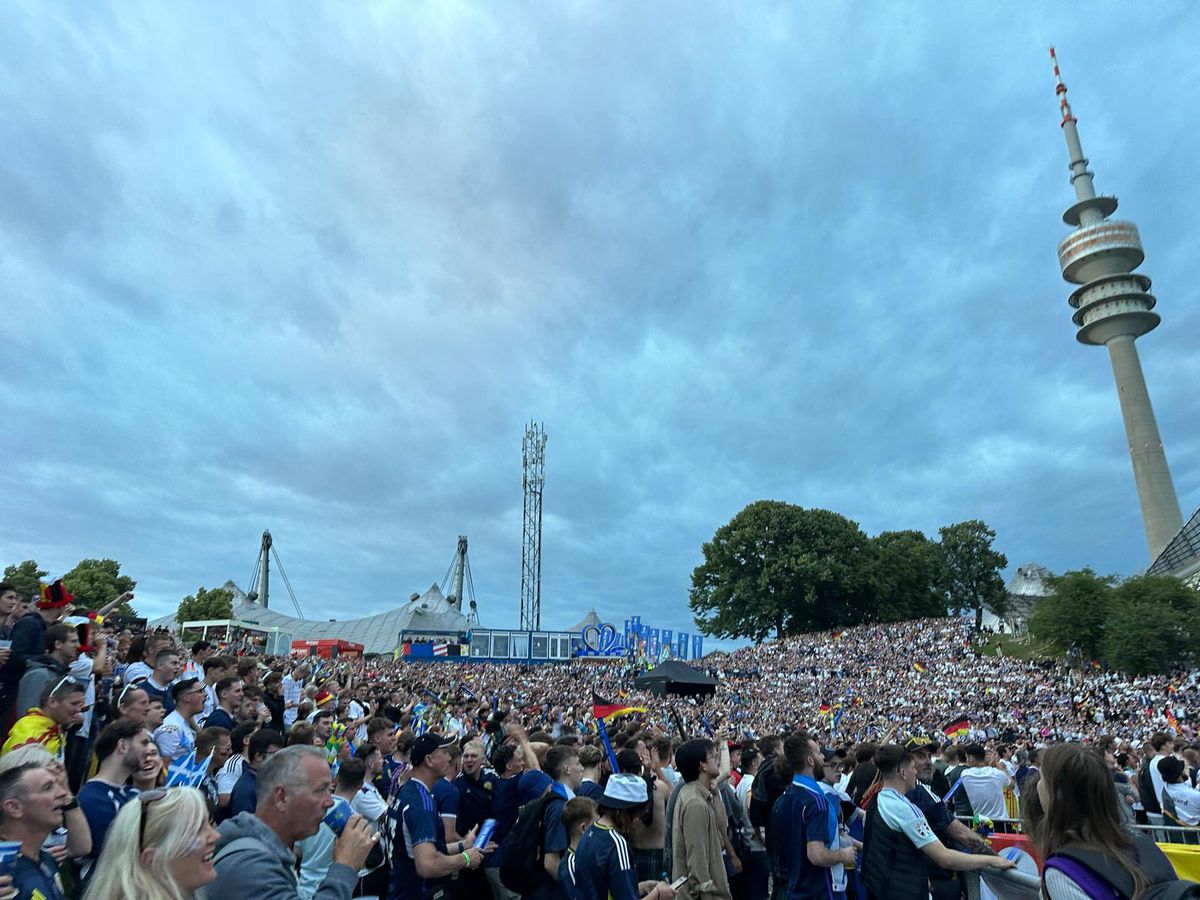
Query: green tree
205	604
98	582
1153	626
973	569
1075	612
778	565
25	577
907	571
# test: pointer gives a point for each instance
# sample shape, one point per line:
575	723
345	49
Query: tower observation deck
1113	307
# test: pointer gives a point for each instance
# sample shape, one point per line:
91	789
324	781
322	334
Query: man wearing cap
602	864
1178	792
943	883
422	865
28	638
176	736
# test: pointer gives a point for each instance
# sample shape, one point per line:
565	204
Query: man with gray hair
255	859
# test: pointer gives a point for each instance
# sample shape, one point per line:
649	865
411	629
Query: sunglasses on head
136	684
145	798
66	680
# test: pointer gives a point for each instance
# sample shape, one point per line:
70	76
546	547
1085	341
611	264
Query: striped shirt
602	867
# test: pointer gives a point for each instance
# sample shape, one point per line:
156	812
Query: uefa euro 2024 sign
601	640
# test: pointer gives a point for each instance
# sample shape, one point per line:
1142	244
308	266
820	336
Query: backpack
522	869
1098	873
1145	783
767	788
737	821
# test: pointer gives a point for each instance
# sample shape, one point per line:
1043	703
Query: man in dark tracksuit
943	884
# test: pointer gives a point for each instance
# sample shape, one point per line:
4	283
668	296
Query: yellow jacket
35	727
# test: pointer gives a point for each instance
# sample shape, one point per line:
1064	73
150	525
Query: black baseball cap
426	744
913	744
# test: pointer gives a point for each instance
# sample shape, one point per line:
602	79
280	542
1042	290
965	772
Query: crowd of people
133	765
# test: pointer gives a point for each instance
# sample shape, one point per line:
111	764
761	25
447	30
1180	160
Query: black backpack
522	868
1163	884
1145	784
767	788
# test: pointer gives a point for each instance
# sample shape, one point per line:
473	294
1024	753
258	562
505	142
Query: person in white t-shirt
751	760
984	780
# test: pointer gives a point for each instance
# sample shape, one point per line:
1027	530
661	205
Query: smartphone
678	883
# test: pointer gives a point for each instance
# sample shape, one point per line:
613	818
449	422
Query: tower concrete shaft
1113	307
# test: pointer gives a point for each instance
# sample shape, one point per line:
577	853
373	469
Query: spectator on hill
62	647
899	840
61	708
167	666
213	744
983	781
215	668
261	747
602	864
229	701
696	832
159	848
32	801
176	736
121	751
255	858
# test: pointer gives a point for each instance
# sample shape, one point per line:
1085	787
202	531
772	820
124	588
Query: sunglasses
135	685
67	680
145	799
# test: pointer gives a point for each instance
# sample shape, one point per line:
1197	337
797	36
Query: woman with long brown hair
1075	822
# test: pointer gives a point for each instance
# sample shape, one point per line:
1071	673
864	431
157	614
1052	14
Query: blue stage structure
599	641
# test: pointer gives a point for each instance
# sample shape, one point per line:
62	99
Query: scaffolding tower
534	458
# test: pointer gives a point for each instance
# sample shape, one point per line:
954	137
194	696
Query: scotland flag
187	772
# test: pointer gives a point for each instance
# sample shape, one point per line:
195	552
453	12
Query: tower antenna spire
1113	307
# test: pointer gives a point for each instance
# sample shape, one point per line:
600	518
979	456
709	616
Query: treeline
777	567
1144	625
94	582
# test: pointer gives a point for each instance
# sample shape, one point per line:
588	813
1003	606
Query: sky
312	268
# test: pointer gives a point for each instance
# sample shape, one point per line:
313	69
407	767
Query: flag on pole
606	709
1171	720
956	726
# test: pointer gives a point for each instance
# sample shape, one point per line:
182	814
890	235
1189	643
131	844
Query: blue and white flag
187	772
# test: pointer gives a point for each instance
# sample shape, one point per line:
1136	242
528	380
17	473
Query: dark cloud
313	269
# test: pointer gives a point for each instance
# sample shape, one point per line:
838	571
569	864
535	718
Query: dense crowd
133	765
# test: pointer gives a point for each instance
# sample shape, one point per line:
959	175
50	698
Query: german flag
606	709
920	666
837	635
956	726
826	709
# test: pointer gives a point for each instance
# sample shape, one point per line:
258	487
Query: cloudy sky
312	267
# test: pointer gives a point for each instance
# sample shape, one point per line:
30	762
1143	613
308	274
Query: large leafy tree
1075	612
25	577
1153	626
973	568
907	571
205	604
98	582
779	566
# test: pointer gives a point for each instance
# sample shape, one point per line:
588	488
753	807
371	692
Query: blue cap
532	785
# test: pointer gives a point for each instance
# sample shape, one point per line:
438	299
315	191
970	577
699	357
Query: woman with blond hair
160	847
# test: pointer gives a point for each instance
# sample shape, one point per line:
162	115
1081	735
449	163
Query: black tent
674	677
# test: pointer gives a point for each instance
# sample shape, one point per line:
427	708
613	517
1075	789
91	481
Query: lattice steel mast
534	458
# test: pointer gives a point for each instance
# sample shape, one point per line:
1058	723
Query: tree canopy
205	604
1144	625
781	567
973	569
25	577
98	582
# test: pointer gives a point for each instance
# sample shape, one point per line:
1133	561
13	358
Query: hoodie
40	672
266	870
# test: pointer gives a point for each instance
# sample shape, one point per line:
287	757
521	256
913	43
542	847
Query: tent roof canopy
675	677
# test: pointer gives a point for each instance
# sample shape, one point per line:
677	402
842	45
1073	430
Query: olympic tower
1113	307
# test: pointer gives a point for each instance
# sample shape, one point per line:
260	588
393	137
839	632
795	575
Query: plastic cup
5	645
9	851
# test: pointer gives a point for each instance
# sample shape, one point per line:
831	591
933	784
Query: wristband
467	857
